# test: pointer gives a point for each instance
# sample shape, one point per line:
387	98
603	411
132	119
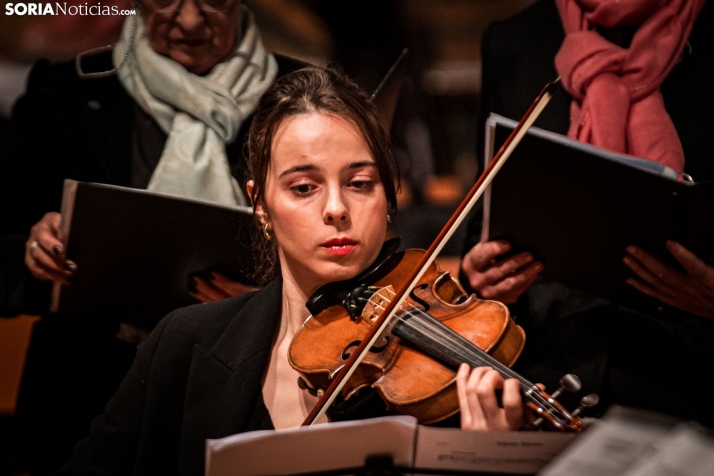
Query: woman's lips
339	246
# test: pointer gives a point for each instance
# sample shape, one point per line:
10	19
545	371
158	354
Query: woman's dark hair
306	91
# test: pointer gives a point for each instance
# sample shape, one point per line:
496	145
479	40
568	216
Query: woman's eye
302	189
360	184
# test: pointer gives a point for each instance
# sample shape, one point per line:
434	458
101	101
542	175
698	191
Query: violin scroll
568	421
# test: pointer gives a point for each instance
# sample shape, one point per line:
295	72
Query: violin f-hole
416	299
374	349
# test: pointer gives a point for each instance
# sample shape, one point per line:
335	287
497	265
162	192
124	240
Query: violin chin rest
335	294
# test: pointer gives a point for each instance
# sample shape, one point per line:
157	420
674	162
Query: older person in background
167	109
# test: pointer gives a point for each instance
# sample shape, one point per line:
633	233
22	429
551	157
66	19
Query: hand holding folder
496	275
577	207
691	290
44	251
138	251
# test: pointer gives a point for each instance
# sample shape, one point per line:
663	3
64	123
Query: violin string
470	356
530	391
479	358
477	361
438	327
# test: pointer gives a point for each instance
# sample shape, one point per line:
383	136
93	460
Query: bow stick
317	414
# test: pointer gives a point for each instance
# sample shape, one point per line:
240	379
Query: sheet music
312	449
345	445
508	452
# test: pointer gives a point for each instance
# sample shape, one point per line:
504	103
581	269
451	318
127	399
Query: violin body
409	380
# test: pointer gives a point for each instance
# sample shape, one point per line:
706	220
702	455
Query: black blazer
196	377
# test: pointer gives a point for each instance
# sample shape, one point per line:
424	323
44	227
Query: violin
413	365
403	327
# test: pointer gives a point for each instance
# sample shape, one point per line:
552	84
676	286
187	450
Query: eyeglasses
169	6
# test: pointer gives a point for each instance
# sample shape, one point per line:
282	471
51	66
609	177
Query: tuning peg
568	383
588	401
536	424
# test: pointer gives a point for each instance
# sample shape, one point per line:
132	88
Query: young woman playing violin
323	184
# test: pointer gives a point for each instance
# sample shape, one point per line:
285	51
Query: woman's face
324	199
196	39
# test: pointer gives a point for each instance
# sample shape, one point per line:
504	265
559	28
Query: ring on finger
34	245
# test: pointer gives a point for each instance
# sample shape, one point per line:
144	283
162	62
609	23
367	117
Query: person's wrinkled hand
691	291
499	279
478	402
44	251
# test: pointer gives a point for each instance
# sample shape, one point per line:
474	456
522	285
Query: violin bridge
377	303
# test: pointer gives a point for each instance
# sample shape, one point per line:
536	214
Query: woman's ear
258	208
249	190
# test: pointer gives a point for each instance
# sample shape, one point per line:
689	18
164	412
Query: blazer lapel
108	115
224	382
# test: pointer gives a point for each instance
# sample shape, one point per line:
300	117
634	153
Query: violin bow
318	413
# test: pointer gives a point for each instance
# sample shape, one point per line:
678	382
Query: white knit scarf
200	114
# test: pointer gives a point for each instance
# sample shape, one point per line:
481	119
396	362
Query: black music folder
136	249
577	207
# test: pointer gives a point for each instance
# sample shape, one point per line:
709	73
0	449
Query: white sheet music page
506	452
316	448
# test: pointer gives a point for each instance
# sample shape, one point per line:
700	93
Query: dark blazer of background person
88	130
644	361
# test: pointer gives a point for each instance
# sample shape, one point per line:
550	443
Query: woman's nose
189	15
336	210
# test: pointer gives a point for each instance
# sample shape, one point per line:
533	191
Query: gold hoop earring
389	221
266	232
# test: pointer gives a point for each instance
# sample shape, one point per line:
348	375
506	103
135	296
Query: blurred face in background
197	34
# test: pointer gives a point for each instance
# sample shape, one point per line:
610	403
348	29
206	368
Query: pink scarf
617	103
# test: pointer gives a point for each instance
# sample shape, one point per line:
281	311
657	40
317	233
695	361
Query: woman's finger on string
477	419
513	404
462	377
486	390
